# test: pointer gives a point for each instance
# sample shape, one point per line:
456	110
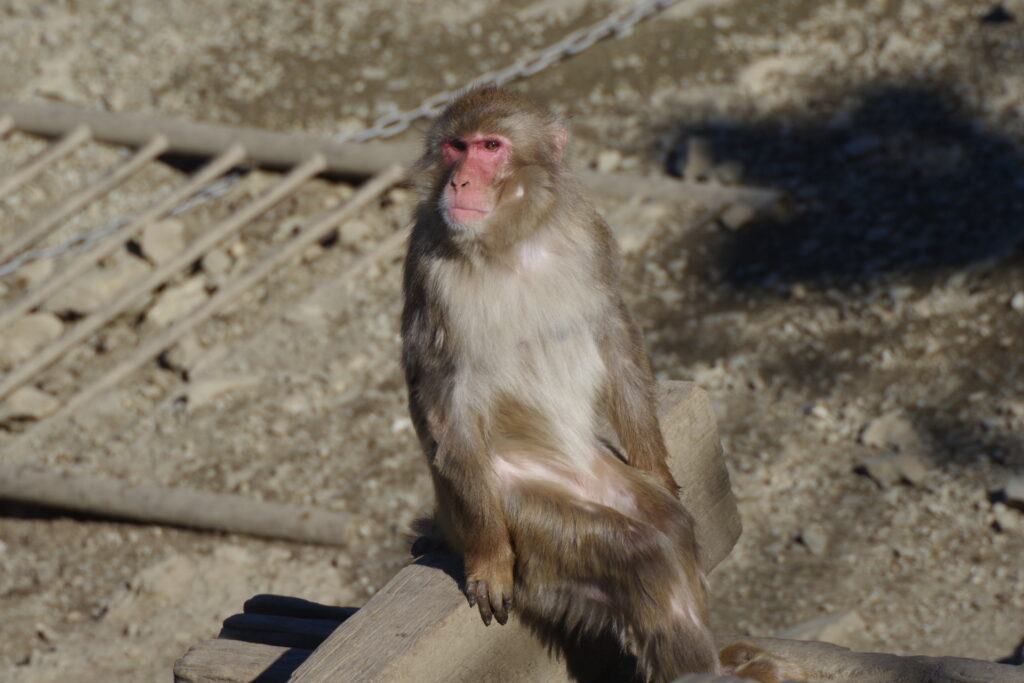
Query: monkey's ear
560	138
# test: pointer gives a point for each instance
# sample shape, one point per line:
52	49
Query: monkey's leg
588	568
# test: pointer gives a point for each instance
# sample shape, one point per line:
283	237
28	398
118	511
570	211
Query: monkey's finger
501	608
485	607
471	592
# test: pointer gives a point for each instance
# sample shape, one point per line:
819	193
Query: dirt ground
881	310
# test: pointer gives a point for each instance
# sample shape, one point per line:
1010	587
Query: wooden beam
109	497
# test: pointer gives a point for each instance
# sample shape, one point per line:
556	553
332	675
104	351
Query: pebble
27	335
1017	302
176	301
815	538
737	215
217	263
205	391
888	470
841	629
892	430
1015	491
163	241
609	161
28	403
97	287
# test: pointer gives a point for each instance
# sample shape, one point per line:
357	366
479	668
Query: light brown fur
516	346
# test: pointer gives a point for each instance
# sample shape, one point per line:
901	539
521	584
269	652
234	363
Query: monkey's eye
492	145
458	145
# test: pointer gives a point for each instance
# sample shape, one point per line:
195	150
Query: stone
163	241
97	287
1014	491
888	470
354	231
1017	302
1007	518
207	390
34	272
699	159
176	301
27	335
815	538
184	355
28	403
217	263
892	430
841	629
738	215
609	161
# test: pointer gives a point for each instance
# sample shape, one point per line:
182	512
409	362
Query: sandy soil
883	309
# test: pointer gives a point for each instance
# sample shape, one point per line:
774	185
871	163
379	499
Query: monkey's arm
630	400
468	514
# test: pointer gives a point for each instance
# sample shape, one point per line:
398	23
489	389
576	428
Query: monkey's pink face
476	165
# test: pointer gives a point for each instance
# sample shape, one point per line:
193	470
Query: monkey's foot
489	587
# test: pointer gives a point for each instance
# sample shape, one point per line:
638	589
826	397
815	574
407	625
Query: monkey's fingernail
502	617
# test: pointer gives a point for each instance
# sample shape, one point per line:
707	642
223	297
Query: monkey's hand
489	584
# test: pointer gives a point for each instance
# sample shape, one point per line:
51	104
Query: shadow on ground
904	182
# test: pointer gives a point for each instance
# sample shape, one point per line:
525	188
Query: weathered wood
418	628
191	138
826	662
109	497
232	661
349	159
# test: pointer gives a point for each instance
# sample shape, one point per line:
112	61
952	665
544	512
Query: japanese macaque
516	346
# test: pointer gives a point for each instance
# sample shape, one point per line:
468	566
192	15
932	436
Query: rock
1007	518
33	272
737	215
217	263
184	355
28	403
815	538
1014	491
176	301
354	231
97	287
699	159
27	335
163	241
609	161
1017	302
205	391
892	430
888	470
840	629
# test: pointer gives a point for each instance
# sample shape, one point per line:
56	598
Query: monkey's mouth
463	214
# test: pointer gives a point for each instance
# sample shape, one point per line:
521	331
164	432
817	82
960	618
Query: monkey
516	346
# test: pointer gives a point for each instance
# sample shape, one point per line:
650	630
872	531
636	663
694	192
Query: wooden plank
419	629
191	138
109	497
232	661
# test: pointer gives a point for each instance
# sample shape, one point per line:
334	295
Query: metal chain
618	23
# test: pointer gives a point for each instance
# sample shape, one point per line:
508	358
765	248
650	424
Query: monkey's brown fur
516	346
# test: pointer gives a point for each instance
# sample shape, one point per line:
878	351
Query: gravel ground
861	346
